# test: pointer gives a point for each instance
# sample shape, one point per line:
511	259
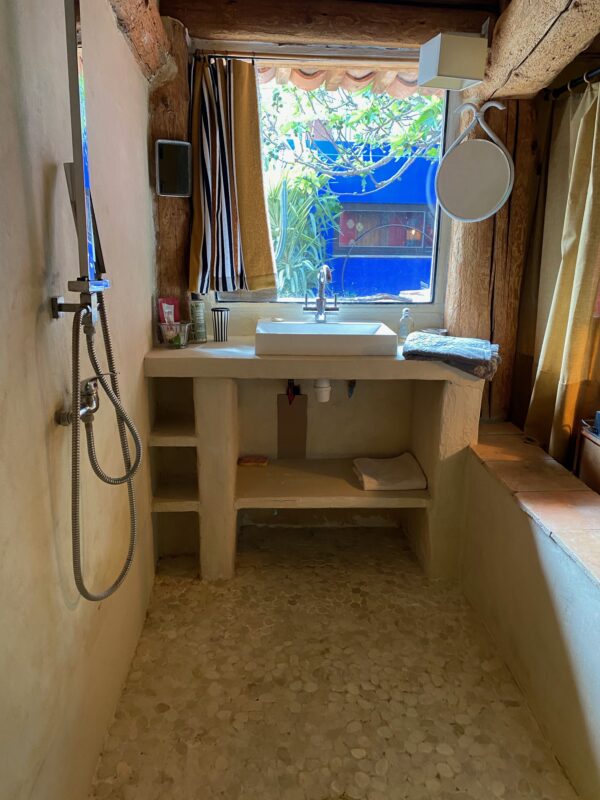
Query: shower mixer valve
88	405
90	399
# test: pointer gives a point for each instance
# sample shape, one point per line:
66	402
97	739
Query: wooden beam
169	107
320	21
140	23
534	42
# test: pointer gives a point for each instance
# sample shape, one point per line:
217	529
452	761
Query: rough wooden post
487	259
469	263
509	260
169	112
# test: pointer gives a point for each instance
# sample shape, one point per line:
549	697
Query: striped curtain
230	243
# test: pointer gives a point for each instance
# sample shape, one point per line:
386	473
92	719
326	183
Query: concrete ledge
564	507
530	565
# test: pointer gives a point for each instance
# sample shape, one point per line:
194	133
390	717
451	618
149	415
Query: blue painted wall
369	274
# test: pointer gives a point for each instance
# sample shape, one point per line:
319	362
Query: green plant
364	131
300	209
312	138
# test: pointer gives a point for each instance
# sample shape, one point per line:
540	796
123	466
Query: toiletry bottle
198	332
406	326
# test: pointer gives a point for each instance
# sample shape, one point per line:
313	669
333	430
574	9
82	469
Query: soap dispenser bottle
406	326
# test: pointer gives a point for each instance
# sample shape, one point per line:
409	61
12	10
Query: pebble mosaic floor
328	668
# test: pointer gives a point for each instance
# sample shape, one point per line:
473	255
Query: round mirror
474	180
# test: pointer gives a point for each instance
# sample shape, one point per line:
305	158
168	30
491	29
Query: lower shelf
174	434
315	483
176	497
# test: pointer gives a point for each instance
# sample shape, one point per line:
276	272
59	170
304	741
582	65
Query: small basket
175	334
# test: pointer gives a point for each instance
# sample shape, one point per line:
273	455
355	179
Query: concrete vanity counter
221	400
237	359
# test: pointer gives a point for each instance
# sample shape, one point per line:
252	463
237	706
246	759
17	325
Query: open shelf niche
174	479
174	466
172	413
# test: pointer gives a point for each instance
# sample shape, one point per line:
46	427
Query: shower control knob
63	418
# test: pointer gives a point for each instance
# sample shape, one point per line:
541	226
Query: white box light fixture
453	61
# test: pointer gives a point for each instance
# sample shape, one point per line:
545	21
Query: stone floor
328	668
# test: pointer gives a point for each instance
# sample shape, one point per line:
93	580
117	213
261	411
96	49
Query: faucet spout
321	306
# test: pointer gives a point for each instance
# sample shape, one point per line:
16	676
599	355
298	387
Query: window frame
246	312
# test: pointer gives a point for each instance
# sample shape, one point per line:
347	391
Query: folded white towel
390	474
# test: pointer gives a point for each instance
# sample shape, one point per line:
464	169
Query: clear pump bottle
406	325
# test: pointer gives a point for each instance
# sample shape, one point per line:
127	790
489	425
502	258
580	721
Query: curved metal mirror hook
479	119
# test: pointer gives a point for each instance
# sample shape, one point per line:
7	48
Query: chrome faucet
321	306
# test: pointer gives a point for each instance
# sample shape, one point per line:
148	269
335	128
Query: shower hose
83	317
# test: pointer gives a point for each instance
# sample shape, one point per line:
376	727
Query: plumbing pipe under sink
322	388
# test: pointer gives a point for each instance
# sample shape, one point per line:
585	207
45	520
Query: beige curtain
230	243
567	382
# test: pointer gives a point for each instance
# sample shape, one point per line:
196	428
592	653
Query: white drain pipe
322	388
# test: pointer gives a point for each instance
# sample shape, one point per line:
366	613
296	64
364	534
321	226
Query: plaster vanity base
220	400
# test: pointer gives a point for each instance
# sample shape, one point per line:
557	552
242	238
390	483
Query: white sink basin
278	338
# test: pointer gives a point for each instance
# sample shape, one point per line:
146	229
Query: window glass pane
350	179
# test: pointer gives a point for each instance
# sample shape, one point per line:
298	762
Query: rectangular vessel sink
279	338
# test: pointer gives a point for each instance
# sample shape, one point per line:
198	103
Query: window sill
244	316
558	502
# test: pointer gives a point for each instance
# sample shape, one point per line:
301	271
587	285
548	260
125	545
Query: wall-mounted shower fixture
89	403
87	312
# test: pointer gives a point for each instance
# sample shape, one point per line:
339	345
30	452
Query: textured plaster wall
543	611
63	660
375	421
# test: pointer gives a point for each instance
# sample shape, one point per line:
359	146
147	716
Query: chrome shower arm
75	176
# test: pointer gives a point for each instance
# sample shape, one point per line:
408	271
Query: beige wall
375	421
62	659
543	610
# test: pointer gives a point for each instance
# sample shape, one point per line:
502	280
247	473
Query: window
384	252
392	231
350	181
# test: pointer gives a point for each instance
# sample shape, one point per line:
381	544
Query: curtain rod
273	53
591	76
305	58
